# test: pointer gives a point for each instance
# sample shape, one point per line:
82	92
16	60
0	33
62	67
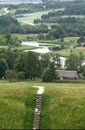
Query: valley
42	44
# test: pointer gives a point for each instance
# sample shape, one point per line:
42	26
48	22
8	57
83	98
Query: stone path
38	107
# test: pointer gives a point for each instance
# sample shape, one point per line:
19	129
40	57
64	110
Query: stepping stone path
38	107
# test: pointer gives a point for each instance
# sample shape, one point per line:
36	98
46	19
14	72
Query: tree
3	67
49	73
10	74
73	62
56	60
83	70
46	77
52	70
20	63
81	41
32	65
21	75
45	60
41	36
10	57
8	36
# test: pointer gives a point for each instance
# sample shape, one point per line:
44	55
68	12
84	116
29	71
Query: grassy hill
63	105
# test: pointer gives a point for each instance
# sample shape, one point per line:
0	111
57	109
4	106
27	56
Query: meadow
63	105
29	18
67	52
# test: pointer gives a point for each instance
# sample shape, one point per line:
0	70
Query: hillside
62	105
37	42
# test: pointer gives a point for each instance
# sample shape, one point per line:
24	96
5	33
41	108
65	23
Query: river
42	49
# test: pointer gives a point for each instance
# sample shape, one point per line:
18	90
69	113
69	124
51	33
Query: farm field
63	105
67	52
31	16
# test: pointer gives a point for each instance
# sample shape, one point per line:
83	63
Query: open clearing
31	16
63	105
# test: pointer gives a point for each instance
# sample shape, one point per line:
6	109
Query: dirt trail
40	89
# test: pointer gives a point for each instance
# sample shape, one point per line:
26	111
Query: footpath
38	107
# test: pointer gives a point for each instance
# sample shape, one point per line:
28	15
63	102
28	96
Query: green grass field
31	16
1	12
63	105
24	47
20	48
67	52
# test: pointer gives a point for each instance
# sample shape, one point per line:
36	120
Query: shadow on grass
45	113
30	106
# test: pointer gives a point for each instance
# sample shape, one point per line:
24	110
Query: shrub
10	74
47	77
21	75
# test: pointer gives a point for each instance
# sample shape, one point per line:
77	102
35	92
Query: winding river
40	49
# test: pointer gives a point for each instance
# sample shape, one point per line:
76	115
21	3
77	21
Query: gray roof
66	74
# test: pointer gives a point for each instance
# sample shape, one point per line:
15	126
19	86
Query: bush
21	75
47	77
10	74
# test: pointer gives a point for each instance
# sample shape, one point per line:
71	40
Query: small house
63	74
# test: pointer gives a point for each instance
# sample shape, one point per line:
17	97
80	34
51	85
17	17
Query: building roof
67	74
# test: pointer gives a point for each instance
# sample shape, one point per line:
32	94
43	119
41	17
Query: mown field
31	16
63	105
67	52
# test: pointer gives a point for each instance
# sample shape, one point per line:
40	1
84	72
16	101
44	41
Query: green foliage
19	62
9	40
74	61
10	57
32	65
9	24
3	67
10	74
46	76
45	60
49	73
81	41
21	75
22	11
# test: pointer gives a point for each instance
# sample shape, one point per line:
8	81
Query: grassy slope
67	52
17	100
31	16
63	105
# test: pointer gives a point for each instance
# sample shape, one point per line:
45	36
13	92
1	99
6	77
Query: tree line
9	24
22	65
9	40
31	65
65	27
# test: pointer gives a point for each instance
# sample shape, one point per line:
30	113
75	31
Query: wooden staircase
37	114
